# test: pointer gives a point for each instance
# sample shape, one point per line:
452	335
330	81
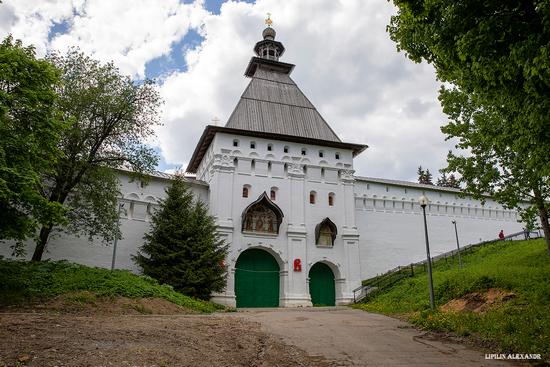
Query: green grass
28	281
521	325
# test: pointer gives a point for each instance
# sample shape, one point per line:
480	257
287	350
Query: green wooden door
321	285
257	279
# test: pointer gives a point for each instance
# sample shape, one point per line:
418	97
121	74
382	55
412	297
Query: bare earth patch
127	340
88	304
478	302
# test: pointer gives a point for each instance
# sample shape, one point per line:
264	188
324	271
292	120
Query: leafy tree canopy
29	133
494	57
182	248
108	118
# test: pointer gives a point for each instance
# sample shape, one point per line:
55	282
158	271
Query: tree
449	181
453	182
424	177
29	133
442	181
421	174
108	116
183	249
494	58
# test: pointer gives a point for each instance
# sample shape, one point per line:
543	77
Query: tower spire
268	20
268	48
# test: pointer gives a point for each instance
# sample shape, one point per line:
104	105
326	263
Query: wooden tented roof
273	103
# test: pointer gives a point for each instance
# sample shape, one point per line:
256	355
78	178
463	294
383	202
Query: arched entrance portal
321	285
257	279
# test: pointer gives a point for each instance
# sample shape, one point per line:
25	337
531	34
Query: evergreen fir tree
182	248
453	182
421	175
443	181
428	178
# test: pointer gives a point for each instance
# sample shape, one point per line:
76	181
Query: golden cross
268	20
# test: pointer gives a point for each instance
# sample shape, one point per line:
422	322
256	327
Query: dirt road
276	337
357	338
141	341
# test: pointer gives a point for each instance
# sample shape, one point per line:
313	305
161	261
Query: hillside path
357	338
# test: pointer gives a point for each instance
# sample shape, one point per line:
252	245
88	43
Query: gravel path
356	338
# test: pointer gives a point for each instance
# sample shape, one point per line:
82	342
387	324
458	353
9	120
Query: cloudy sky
198	51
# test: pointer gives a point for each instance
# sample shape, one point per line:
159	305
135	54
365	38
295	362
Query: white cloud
128	32
345	63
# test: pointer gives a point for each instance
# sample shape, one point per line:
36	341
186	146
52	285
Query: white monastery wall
391	226
387	215
139	202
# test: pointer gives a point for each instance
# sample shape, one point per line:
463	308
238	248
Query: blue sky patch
214	6
59	28
175	61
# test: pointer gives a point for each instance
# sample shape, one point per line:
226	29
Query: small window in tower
304	151
273	194
321	154
285	149
271	53
252	145
331	199
269	147
312	196
337	156
245	191
322	173
236	143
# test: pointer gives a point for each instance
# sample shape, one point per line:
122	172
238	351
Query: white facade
293	176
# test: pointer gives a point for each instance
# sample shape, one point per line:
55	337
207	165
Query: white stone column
221	184
227	296
296	290
221	189
350	238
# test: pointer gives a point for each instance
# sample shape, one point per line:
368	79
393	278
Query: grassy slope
521	325
24	281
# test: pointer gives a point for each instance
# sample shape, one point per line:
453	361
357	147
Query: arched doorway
321	285
256	279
